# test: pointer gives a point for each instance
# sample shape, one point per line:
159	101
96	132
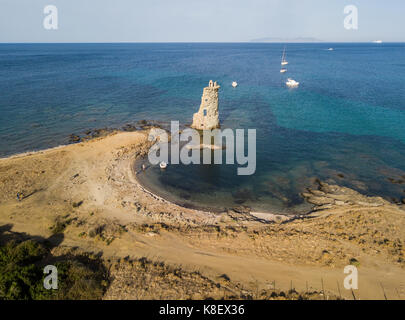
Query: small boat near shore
291	83
163	165
283	70
234	84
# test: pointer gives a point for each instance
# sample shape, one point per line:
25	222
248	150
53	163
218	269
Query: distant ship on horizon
377	41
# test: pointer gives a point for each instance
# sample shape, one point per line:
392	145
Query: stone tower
207	116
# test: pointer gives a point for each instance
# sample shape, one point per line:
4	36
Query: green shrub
354	262
20	277
21	274
80	278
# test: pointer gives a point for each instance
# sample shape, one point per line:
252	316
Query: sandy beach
90	188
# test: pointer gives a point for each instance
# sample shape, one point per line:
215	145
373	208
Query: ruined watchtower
207	116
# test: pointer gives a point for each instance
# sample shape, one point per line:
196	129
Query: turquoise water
345	123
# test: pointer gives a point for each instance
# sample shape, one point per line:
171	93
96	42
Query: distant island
279	39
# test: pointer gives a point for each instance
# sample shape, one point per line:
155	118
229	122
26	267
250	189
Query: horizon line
167	42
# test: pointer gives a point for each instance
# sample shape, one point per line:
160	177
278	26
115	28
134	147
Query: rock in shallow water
74	138
328	196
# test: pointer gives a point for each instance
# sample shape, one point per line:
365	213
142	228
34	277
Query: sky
200	20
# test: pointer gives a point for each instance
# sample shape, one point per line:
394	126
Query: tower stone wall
207	117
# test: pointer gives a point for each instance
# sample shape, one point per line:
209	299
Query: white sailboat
284	62
291	83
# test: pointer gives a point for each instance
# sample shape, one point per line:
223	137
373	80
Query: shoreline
196	207
95	133
134	174
33	152
158	197
269	216
90	189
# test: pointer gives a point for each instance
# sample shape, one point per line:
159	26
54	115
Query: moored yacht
292	83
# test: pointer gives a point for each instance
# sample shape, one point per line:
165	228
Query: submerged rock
129	127
185	196
328	196
74	138
242	195
396	181
241	209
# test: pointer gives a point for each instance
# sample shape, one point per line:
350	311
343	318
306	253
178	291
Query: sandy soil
89	194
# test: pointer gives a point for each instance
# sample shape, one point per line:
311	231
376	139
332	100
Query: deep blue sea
344	124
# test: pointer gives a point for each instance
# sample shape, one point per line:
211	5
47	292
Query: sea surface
344	124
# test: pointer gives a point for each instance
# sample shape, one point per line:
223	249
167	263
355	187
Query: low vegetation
22	277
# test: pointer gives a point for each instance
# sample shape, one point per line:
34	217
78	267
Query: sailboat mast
283	60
